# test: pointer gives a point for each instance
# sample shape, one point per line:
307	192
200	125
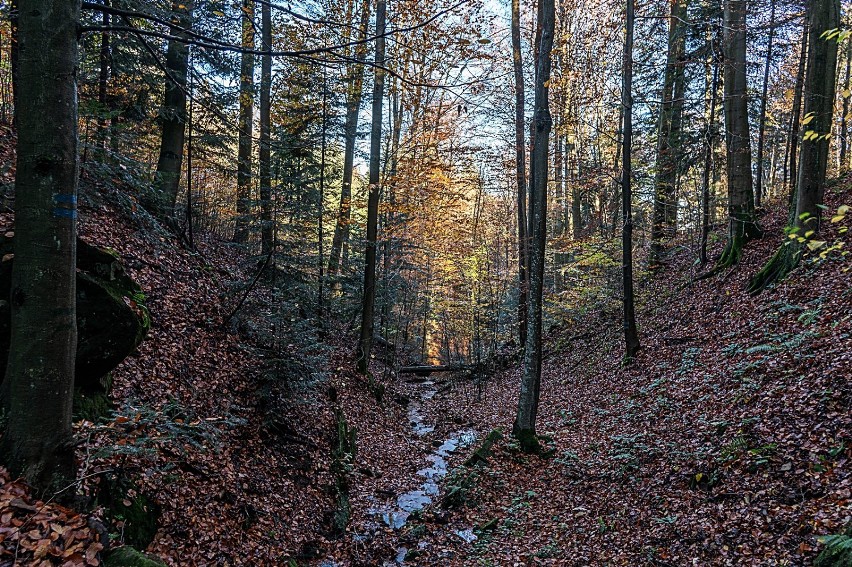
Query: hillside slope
727	442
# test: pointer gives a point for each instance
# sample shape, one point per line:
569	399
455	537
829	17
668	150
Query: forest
425	282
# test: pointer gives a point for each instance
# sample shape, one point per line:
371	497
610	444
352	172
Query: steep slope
727	442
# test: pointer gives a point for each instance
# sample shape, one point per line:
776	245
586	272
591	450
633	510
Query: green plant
838	550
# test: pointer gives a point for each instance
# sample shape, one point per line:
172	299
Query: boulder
111	315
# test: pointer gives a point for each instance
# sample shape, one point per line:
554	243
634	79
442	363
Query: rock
122	502
111	315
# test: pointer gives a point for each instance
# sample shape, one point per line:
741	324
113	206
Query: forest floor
727	442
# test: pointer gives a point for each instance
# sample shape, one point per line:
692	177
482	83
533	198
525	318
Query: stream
435	470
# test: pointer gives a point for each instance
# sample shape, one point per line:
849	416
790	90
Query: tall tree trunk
823	15
669	135
38	387
709	140
844	122
819	91
524	426
742	220
355	80
14	58
321	205
369	300
758	190
160	200
264	153
246	126
520	173
795	119
631	336
103	80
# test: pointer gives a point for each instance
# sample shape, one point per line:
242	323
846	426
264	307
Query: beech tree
369	299
742	221
520	172
524	426
38	387
631	336
160	201
246	122
820	78
664	222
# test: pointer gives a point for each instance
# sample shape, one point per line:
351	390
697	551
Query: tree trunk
369	300
819	94
524	426
14	59
742	221
103	79
793	134
246	126
160	200
709	140
38	387
758	190
844	122
265	142
631	336
819	91
520	173
355	81
668	139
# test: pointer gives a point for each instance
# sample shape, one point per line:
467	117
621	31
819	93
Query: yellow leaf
816	244
809	233
837	218
808	118
842	209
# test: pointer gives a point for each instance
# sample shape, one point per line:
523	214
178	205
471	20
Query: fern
837	552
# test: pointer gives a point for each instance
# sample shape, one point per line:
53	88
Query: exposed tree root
777	268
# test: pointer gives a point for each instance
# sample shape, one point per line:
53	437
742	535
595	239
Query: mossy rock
123	502
129	557
112	319
91	406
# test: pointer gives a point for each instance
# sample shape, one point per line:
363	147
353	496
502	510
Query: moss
481	454
129	557
778	267
528	441
123	503
342	459
745	229
91	406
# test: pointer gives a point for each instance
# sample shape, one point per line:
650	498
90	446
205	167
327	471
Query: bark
844	122
369	299
520	172
264	152
819	92
524	426
160	201
631	336
708	165
669	136
38	389
793	134
246	126
758	190
355	80
742	222
14	52
103	79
